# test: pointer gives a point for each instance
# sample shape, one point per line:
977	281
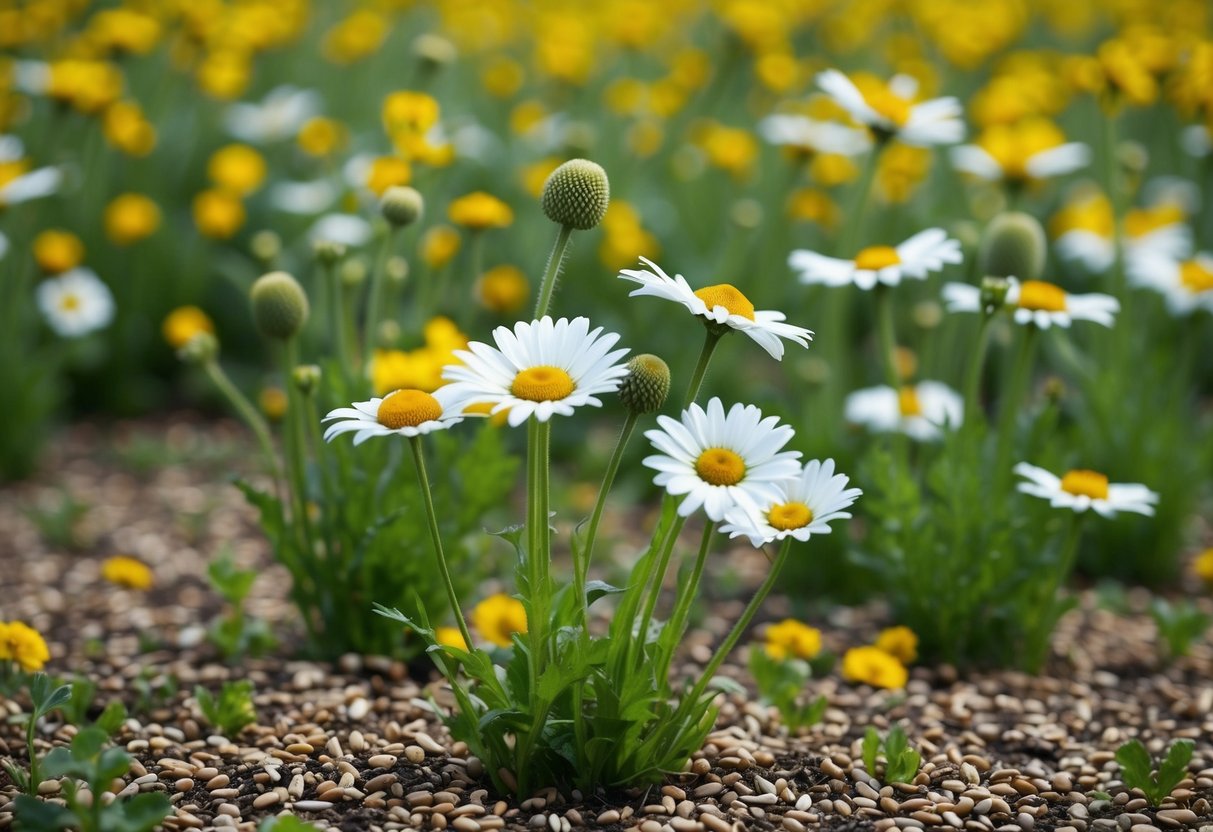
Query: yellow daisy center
69	303
876	258
908	403
728	296
720	466
542	384
408	409
1041	296
888	104
788	516
1195	277
1083	483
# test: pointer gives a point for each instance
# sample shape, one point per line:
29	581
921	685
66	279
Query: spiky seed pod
265	246
646	385
280	307
328	252
401	205
576	194
1013	245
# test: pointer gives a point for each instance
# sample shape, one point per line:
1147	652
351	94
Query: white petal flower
814	136
1197	141
1082	489
720	461
279	115
1186	285
1038	302
540	368
722	304
805	505
33	185
347	229
406	413
304	197
75	302
1058	161
1032	149
3	245
890	108
925	252
918	410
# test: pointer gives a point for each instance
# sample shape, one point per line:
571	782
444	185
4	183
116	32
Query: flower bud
328	252
993	293
388	334
401	205
1013	245
280	307
434	51
265	246
306	378
576	194
200	348
353	273
397	270
647	384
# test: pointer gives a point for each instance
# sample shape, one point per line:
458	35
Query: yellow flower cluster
56	250
421	368
883	664
23	645
497	618
792	639
127	572
625	238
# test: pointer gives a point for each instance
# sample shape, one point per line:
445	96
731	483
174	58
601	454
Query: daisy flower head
406	413
1032	149
890	110
1081	489
17	182
278	116
539	368
810	135
1037	302
75	302
803	505
920	411
1084	230
925	252
1186	285
722	306
718	460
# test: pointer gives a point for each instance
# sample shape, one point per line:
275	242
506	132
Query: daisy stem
1115	198
375	298
296	446
1015	390
849	241
338	333
888	338
436	536
656	578
246	411
682	606
539	541
555	259
1067	552
701	368
976	364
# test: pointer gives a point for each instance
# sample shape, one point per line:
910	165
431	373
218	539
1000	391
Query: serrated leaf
1174	767
1135	764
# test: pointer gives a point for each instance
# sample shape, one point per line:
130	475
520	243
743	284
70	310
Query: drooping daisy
1082	489
1084	231
1038	302
890	110
927	251
1186	285
75	302
720	460
405	413
347	229
803	506
810	135
279	116
720	305
920	411
1031	149
540	368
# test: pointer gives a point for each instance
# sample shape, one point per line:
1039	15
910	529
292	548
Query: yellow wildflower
57	251
127	572
503	289
832	169
502	77
792	639
183	323
498	617
272	401
812	205
386	172
899	642
730	148
1202	565
218	214
408	111
126	128
873	666
224	74
357	36
441	333
901	170
237	168
321	136
480	210
439	245
536	174
24	645
450	637
130	218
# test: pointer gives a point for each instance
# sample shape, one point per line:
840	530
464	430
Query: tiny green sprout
1179	624
1137	768
781	683
46	697
901	761
231	710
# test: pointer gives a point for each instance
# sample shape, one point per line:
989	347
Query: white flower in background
920	411
720	461
1196	141
75	302
279	116
811	135
925	252
1081	490
17	182
805	505
1083	230
890	108
1038	302
308	198
539	369
347	229
33	77
1030	149
722	304
1186	285
406	413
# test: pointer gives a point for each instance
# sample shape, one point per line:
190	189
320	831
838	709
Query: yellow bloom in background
502	77
901	170
645	138
88	86
130	218
218	214
224	74
625	238
127	572
873	666
526	116
355	37
439	245
779	71
237	168
126	128
441	334
272	401
899	642
498	617
125	30
183	323
731	149
22	644
832	169
386	172
1127	74
57	251
450	637
321	136
792	639
535	175
480	210
503	289
1202	565
409	111
421	368
812	205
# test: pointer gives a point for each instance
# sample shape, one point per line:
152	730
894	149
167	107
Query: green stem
35	775
555	259
539	548
244	408
888	340
436	537
686	595
849	241
1116	198
375	298
296	447
714	335
339	336
1016	389
977	362
656	579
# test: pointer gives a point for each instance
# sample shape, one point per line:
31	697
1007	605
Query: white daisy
890	109
539	369
347	229
304	197
1186	285
3	245
1081	490
1038	302
813	136
1196	141
927	251
279	115
75	302
18	185
721	461
1020	163
918	410
722	305
400	413
805	506
1084	230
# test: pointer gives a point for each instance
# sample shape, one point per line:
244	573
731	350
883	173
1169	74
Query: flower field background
781	410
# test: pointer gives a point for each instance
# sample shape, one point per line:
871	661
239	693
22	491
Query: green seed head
434	51
1013	245
265	246
577	194
647	384
401	205
280	307
994	293
328	252
199	349
353	273
306	378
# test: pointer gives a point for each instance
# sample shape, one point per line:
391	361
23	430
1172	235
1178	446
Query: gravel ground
355	746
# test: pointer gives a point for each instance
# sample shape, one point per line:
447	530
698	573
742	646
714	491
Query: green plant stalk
318	449
1015	391
686	596
339	334
977	362
1063	569
436	537
555	260
849	241
1116	198
296	451
714	334
35	775
375	298
539	543
888	338
654	581
244	408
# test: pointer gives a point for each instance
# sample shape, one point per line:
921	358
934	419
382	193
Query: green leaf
45	696
1174	767
142	812
38	816
871	746
111	718
1135	765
